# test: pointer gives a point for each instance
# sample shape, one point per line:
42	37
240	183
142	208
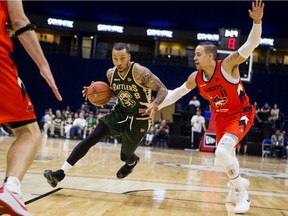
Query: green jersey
91	122
129	92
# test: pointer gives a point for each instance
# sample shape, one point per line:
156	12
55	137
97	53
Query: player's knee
225	149
220	154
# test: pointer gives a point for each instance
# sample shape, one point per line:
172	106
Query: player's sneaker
125	170
54	177
231	198
11	203
242	201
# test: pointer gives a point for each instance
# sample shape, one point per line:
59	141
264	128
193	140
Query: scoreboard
228	39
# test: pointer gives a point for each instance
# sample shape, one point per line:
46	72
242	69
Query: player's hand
150	110
257	11
47	75
85	89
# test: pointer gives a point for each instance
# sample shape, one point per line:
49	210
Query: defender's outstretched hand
257	11
151	109
47	75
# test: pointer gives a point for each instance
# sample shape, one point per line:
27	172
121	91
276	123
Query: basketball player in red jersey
16	108
219	82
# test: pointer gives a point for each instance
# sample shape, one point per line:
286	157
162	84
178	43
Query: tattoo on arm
146	78
161	94
109	75
232	57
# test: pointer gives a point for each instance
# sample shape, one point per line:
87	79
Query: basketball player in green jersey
131	84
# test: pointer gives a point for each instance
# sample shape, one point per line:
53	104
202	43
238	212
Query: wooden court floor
166	182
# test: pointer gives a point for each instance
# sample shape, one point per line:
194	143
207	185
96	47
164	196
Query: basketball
99	93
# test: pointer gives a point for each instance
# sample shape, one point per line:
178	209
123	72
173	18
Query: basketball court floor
166	182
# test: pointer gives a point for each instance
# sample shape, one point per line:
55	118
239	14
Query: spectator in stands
274	116
91	123
66	111
47	122
162	132
68	122
257	119
195	102
57	124
148	138
197	123
277	142
265	112
83	110
193	105
78	125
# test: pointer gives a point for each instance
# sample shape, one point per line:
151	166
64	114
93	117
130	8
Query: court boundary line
42	196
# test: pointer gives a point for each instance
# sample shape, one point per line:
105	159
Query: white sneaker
231	198
242	201
11	204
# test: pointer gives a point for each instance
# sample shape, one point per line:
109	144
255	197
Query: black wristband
28	27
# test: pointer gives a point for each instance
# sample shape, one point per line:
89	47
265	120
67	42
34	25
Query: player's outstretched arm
173	95
179	92
30	42
253	40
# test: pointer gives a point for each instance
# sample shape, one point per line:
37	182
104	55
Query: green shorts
131	129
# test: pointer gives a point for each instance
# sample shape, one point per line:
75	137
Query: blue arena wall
72	73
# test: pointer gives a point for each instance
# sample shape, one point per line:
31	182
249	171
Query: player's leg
130	142
225	155
19	158
235	130
78	152
28	139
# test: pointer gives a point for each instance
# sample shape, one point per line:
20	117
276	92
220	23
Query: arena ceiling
203	16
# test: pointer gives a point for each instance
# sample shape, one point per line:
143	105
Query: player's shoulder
138	68
110	70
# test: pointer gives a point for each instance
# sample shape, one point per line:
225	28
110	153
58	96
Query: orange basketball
99	93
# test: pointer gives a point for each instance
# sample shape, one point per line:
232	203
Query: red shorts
15	103
238	124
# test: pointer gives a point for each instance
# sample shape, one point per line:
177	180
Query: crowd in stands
68	124
158	134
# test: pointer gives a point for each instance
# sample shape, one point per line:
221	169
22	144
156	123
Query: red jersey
233	112
15	103
226	98
6	46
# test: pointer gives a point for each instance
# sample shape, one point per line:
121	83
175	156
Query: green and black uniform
125	119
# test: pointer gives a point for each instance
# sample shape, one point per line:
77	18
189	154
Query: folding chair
266	143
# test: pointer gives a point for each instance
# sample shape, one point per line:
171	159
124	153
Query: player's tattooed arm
146	78
231	62
109	75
